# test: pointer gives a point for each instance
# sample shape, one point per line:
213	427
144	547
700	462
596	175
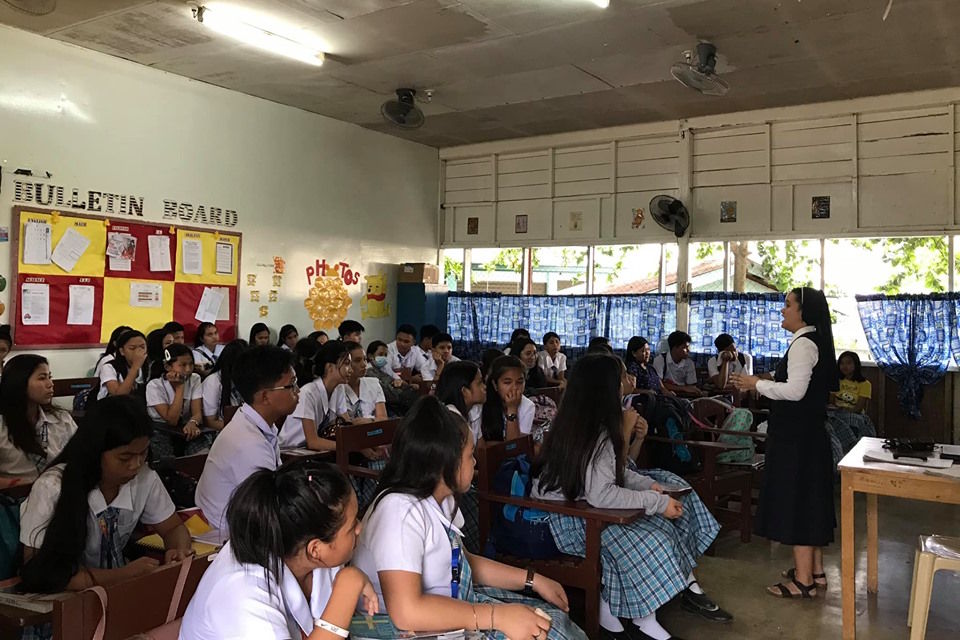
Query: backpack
545	412
519	531
84	400
668	418
181	487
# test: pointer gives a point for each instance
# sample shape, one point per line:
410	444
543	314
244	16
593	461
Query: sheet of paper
224	313
70	249
146	295
35	303
121	245
80	310
224	258
192	257
159	249
119	264
209	308
36	243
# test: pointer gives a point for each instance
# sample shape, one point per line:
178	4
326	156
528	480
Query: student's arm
171	412
176	539
491	573
349	587
87	577
314	441
210	404
124	387
861	405
380	411
192	428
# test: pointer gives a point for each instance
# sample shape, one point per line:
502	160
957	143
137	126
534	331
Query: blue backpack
518	531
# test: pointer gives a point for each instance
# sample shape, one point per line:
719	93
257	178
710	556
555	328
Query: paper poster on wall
70	249
37	237
192	257
146	295
224	258
159	249
80	310
637	220
210	302
119	264
576	221
520	223
35	303
728	211
473	226
121	245
820	207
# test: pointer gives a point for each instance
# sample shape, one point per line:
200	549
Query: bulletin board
78	276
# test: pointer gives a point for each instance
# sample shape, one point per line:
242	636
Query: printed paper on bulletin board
140	266
90	263
58	332
187	299
208	242
117	309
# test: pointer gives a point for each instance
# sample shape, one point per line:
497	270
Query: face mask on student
380	362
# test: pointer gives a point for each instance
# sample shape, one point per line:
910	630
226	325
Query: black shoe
633	632
606	634
700	604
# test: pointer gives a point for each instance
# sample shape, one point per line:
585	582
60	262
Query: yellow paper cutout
264	310
327	302
373	304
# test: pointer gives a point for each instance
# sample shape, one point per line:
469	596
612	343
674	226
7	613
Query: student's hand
138	360
397	383
372	454
368	596
743	382
520	622
551	591
629	423
176	555
140	566
641	428
511	399
173	377
656	486
674	509
191	430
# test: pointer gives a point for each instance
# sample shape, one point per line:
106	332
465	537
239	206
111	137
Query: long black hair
634	343
155	351
258	327
272	514
427	448
201	331
305	350
13	402
111	348
491	422
857	371
285	331
454	378
174	351
119	363
590	411
815	312
225	365
113	422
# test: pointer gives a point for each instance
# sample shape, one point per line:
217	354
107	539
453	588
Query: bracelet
476	622
320	623
492	626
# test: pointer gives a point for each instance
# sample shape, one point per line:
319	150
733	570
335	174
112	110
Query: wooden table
880	479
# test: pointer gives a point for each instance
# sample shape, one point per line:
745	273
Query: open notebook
379	627
199	532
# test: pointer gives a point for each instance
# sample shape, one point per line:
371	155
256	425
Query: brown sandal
819	579
807	592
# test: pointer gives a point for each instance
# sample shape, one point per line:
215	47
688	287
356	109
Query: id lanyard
455	565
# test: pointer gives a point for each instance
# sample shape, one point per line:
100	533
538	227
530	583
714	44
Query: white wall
305	186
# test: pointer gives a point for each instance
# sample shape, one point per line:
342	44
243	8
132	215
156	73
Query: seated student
358	399
727	361
259	335
265	379
461	388
551	361
309	423
646	563
507	413
175	401
320	337
518	333
83	509
32	431
675	368
303	354
207	348
855	390
599	344
486	360
427	332
398	395
351	331
177	330
125	374
287	338
157	341
414	528
404	360
637	361
218	389
111	350
440	356
6	343
526	350
282	573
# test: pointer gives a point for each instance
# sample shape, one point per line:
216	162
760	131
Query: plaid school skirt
645	563
561	626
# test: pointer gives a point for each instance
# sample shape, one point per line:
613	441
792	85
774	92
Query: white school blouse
206	358
246	444
143	499
211	390
547	363
404	533
160	391
429	370
244	601
525	415
713	365
108	372
474	419
343	399
314	404
54	430
413	359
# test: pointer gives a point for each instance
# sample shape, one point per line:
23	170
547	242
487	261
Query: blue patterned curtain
910	338
479	321
753	319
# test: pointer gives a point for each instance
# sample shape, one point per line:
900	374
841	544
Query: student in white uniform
461	388
507	413
259	335
309	422
440	356
266	380
218	390
552	362
676	368
404	359
727	362
83	509
281	575
351	331
175	403
126	373
427	332
32	431
206	348
288	336
412	550
358	399
111	350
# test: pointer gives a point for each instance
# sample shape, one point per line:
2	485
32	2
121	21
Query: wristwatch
528	583
511	417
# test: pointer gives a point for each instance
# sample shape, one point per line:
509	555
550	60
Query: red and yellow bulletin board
115	289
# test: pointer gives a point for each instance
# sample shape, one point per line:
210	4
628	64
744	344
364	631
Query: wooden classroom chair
357	437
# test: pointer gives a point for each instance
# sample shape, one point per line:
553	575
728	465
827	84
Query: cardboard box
420	272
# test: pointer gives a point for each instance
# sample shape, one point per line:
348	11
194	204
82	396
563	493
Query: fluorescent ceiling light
279	40
603	4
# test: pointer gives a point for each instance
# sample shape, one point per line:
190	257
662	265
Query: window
496	270
626	268
559	271
671	258
453	269
706	266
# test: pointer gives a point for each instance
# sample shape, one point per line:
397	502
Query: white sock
651	627
609	621
693	585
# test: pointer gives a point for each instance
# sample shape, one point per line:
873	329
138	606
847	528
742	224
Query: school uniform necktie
357	410
111	551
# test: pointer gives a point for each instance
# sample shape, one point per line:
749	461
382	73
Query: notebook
379	627
198	529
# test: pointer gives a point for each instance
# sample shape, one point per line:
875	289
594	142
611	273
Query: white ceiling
513	68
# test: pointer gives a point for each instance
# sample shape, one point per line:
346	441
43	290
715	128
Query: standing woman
796	500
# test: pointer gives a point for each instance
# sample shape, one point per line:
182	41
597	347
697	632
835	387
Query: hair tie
309	478
166	355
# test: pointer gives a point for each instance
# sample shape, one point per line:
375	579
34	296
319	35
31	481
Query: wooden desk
879	479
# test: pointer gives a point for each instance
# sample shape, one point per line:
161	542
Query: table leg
848	582
872	531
